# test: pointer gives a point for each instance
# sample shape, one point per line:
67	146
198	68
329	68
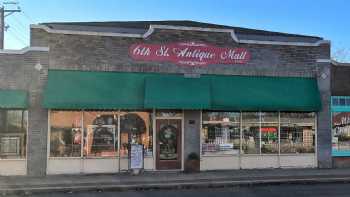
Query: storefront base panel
64	166
259	161
223	162
149	163
82	166
341	162
91	166
298	161
13	167
105	165
229	162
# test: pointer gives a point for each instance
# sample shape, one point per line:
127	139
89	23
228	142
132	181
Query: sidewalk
169	180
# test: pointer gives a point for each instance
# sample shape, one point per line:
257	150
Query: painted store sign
189	53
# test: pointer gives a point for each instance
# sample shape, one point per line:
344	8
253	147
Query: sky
329	19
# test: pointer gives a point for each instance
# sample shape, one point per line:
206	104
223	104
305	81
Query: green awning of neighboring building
177	92
94	90
245	93
13	99
123	90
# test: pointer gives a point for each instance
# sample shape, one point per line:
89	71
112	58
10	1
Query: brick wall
17	71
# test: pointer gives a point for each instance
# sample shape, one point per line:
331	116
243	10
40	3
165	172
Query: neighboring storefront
340	107
236	98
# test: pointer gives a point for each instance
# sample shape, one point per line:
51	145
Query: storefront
340	107
235	98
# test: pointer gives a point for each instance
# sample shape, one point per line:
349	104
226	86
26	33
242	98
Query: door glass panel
168	149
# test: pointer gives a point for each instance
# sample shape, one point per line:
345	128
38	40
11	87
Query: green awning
94	90
264	93
13	99
177	92
124	90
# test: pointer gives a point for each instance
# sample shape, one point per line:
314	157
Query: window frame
117	131
278	153
25	112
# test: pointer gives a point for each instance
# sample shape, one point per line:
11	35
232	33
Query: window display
297	133
221	132
136	128
13	134
100	134
65	134
95	133
250	132
269	132
260	132
341	133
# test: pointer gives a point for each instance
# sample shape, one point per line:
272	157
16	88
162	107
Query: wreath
167	133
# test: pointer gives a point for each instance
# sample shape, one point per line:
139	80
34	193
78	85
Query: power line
17	38
18	32
19	22
28	17
20	29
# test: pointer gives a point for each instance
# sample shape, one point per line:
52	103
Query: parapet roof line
182	28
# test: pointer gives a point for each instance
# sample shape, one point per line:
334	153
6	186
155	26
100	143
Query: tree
341	55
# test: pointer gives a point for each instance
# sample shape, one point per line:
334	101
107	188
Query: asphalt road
320	190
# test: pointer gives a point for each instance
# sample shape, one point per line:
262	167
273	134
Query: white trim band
24	50
181	28
324	61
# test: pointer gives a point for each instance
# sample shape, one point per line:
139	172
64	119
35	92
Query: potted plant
192	163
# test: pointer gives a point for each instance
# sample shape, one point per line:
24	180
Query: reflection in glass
100	136
341	132
168	149
136	128
269	132
66	134
297	133
13	133
220	132
269	138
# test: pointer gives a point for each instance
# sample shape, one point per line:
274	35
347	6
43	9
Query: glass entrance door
168	142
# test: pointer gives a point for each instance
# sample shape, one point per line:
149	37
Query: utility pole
4	13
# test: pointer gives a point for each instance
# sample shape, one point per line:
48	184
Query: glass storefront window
136	128
100	133
269	132
220	132
341	133
13	134
297	132
261	132
250	132
66	134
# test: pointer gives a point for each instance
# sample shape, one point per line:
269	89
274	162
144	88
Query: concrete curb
167	186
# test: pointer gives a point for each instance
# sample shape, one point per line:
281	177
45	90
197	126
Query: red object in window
269	129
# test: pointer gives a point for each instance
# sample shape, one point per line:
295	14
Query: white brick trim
24	50
182	28
324	61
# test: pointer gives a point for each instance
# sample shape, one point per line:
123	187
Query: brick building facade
104	47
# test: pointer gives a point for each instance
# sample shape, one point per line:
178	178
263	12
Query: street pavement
151	181
285	190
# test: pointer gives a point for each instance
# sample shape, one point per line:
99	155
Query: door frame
155	139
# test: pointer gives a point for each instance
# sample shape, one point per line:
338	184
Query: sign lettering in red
189	53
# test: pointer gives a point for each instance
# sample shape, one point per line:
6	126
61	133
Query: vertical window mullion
241	134
82	135
259	132
118	131
279	132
